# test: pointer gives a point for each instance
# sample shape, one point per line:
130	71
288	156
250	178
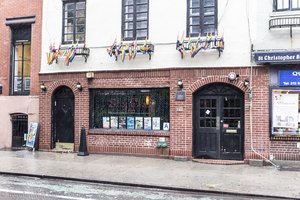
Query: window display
285	112
133	109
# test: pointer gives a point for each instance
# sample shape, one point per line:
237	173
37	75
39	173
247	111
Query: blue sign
289	78
277	57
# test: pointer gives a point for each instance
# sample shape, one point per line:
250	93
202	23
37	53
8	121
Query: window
21	60
74	13
135	19
201	17
285	112
134	109
285	5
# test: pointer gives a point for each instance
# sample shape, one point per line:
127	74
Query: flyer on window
114	122
105	122
285	111
130	122
122	122
138	122
156	123
147	123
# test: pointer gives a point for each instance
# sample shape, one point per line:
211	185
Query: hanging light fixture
43	87
79	86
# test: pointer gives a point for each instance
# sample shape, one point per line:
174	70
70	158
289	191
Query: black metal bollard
83	147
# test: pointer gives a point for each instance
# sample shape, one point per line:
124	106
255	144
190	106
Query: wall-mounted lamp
180	83
246	82
43	87
79	86
232	76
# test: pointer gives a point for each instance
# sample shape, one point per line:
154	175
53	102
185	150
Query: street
12	188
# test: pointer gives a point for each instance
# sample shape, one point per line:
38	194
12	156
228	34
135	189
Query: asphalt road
28	188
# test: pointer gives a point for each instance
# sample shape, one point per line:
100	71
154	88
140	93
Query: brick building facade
21	26
180	137
223	109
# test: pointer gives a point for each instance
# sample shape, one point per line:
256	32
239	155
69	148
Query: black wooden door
63	116
218	123
232	128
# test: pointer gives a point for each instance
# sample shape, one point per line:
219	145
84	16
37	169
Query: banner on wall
285	111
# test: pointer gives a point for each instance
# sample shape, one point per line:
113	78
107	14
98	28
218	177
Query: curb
148	186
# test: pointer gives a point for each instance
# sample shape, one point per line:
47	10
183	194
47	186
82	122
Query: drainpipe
251	117
251	93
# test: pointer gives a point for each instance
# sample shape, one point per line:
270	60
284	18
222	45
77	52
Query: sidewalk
158	172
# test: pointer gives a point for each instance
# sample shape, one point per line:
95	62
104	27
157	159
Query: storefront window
285	112
133	109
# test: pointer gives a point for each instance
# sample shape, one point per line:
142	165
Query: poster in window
130	122
285	112
114	122
138	123
147	123
122	122
166	126
156	123
32	134
105	122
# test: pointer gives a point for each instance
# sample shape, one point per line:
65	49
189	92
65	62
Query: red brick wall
180	136
20	8
285	150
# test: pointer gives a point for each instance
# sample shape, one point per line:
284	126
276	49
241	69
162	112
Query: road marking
44	195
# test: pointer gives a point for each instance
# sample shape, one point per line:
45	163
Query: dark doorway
62	116
218	122
19	123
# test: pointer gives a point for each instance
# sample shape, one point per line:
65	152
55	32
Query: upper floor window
285	5
201	17
135	19
21	60
74	12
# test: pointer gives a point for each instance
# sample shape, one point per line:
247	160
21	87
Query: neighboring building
277	46
20	52
214	105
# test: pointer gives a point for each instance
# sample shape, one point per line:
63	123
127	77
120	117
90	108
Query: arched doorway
62	116
218	122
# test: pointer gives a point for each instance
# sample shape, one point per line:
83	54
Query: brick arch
53	86
46	110
208	80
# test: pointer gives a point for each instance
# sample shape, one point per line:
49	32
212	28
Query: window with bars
135	19
286	5
201	17
74	22
136	109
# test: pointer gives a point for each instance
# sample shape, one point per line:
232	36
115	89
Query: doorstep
219	162
63	148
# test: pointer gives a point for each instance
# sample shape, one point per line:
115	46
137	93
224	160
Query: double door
218	127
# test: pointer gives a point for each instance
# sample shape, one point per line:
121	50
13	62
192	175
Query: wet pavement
31	188
243	179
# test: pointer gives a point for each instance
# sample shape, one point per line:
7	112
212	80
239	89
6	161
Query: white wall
15	104
167	19
274	39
